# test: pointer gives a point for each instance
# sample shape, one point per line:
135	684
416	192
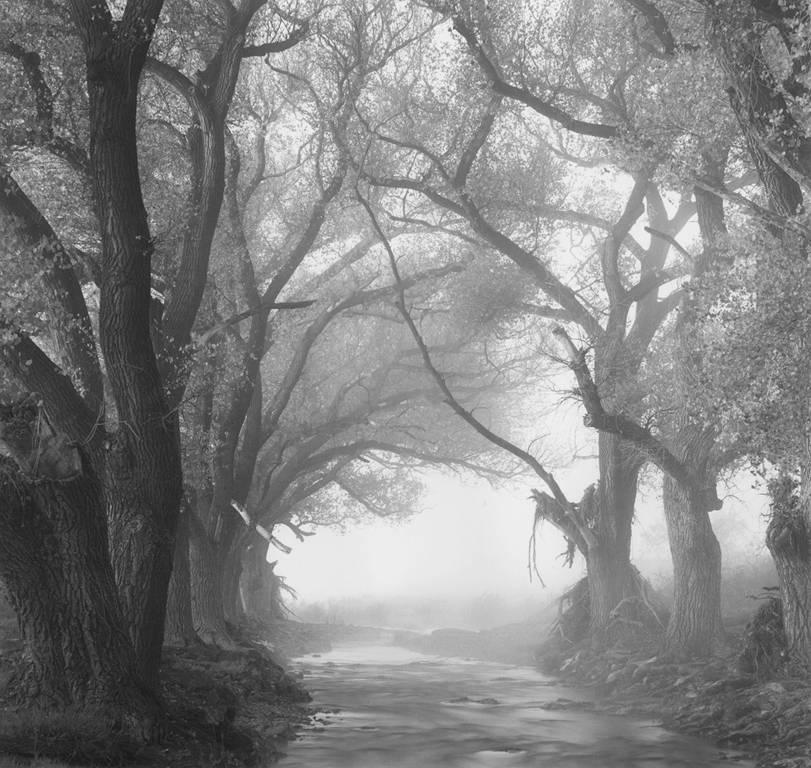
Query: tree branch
523	95
628	429
451	401
277	46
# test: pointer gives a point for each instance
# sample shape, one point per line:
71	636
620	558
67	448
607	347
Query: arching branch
455	405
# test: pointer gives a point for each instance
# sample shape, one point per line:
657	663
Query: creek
388	707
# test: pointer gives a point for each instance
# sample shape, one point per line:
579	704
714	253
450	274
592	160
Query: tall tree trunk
610	573
142	511
788	537
695	626
54	563
206	570
143	481
179	621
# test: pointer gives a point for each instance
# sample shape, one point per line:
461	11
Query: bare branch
628	429
545	108
451	400
277	46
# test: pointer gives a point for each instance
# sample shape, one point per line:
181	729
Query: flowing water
387	707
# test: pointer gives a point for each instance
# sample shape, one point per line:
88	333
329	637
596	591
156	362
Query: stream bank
767	718
226	708
767	715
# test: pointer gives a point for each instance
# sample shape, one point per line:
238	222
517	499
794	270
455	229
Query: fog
462	559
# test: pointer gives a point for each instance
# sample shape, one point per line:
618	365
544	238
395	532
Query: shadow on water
387	707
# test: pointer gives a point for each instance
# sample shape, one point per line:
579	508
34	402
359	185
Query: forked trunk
695	626
143	483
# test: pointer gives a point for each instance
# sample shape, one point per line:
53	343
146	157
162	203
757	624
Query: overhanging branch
626	428
456	406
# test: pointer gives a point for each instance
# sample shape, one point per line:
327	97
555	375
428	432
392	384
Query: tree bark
143	483
54	563
206	570
257	585
788	537
232	575
179	621
695	625
610	573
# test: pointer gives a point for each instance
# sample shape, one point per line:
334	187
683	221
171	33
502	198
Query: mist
462	560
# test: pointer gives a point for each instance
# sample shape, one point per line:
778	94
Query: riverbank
766	718
225	708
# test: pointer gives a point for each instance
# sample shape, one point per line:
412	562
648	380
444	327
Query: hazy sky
471	540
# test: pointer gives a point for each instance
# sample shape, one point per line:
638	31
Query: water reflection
401	709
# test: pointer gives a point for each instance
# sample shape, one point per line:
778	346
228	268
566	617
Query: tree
226	426
146	448
470	178
131	443
761	48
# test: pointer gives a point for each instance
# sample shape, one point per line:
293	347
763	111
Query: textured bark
788	538
54	564
695	626
205	568
142	512
609	562
179	621
143	483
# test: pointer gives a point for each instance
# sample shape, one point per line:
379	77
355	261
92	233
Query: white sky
471	540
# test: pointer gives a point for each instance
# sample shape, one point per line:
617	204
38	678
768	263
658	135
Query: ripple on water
400	709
